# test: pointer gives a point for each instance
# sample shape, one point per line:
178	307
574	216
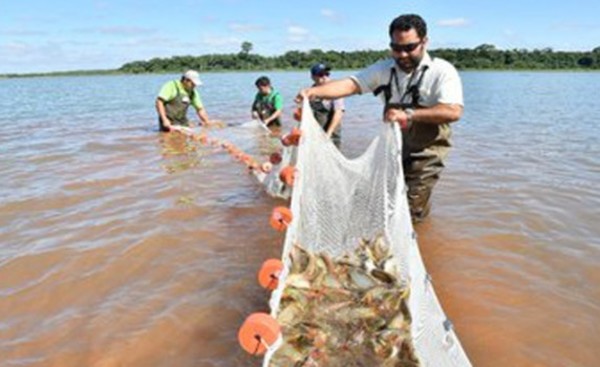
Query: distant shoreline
117	72
485	57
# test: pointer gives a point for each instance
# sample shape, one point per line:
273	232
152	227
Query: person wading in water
174	99
421	93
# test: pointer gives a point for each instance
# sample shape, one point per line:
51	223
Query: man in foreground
422	94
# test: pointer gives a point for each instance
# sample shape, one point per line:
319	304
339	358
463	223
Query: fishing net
336	202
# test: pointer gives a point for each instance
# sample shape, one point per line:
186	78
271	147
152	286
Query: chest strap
410	97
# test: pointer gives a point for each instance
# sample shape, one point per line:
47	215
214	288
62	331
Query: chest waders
424	146
176	109
323	115
265	107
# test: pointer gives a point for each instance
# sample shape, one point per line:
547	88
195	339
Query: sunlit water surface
120	246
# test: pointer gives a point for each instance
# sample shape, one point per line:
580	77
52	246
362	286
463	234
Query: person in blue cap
327	112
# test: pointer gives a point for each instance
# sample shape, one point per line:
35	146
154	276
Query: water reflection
123	246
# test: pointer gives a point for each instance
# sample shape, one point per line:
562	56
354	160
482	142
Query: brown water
123	247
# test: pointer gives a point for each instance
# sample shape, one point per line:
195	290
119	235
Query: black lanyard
412	90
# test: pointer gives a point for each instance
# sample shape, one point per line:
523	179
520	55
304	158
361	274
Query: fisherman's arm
331	90
273	117
162	113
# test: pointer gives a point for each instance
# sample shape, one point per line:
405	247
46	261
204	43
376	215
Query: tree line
484	57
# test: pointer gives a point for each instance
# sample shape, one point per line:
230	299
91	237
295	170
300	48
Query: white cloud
456	22
328	13
576	27
146	42
125	30
18	57
245	28
23	32
217	41
117	30
297	34
16	47
297	31
101	5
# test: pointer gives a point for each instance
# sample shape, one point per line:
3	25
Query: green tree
246	47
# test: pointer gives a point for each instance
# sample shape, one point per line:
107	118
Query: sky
62	35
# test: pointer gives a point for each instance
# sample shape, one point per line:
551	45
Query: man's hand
396	115
181	129
304	93
167	124
215	123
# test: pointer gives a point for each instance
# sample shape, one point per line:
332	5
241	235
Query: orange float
259	332
286	141
293	138
298	114
268	275
287	175
275	158
281	217
247	160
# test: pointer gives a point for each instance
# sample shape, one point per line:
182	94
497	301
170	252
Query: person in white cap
174	99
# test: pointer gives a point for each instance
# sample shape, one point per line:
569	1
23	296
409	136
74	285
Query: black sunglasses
409	47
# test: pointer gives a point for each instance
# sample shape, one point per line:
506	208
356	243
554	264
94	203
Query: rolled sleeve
450	91
372	77
168	92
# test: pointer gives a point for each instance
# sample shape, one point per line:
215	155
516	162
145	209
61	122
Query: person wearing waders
268	104
327	112
421	93
173	101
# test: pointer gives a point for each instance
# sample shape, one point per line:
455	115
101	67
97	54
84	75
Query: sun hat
193	76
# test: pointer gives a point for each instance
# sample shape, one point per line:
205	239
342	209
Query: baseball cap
320	68
193	76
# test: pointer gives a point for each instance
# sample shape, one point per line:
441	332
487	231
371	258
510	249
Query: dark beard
413	62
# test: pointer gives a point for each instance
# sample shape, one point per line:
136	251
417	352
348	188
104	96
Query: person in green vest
327	112
173	101
268	104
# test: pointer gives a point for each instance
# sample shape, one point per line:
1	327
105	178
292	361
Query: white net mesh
336	202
